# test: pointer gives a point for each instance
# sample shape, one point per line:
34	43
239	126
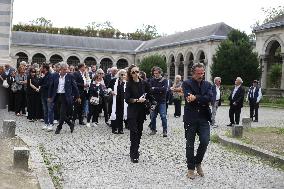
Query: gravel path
95	158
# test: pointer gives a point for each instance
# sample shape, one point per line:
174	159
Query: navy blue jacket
200	107
70	88
215	94
44	83
79	82
252	98
159	89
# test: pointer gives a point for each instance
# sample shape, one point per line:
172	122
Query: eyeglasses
133	72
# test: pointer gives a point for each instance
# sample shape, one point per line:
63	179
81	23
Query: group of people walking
66	94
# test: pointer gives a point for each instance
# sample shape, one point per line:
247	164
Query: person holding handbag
177	95
20	93
96	94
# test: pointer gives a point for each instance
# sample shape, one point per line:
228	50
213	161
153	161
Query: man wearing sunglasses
159	86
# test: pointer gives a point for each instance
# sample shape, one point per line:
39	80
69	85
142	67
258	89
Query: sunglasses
133	72
122	74
100	73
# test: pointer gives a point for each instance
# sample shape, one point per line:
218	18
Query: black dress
33	99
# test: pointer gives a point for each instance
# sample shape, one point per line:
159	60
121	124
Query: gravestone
21	157
9	127
237	131
246	123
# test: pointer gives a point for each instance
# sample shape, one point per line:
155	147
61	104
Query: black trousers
20	101
11	100
253	107
177	103
234	114
34	106
94	111
136	128
78	109
64	114
117	125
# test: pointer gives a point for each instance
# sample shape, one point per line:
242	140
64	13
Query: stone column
185	69
21	158
9	128
5	30
168	69
282	76
176	68
263	71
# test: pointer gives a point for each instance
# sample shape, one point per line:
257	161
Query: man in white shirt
253	97
216	101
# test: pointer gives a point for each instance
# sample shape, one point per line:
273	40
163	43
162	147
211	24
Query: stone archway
274	64
180	61
54	59
90	61
73	60
22	57
189	66
38	58
122	63
105	64
172	67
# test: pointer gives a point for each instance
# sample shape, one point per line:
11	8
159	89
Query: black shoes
230	125
255	120
165	134
82	123
57	131
120	132
134	160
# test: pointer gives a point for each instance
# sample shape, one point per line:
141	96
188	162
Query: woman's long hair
129	75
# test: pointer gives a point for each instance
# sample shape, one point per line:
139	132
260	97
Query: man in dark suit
253	97
62	89
198	96
82	85
236	99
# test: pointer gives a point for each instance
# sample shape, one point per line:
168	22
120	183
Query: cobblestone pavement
95	158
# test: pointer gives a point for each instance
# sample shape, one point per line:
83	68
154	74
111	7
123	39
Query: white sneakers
93	124
50	128
55	122
45	127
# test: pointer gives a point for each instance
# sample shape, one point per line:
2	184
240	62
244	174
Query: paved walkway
95	158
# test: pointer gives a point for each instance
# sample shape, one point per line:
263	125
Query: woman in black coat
135	97
11	94
33	96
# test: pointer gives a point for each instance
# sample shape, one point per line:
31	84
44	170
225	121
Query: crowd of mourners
62	93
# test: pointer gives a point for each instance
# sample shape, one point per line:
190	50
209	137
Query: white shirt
61	84
235	90
218	94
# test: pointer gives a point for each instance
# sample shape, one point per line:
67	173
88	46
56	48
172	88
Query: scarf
113	110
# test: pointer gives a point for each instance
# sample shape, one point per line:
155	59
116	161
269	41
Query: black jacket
79	82
238	97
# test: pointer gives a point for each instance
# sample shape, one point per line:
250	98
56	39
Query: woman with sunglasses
135	97
119	107
33	96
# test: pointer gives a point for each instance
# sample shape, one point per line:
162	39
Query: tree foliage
149	62
235	58
275	73
93	29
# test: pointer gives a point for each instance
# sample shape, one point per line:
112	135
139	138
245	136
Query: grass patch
53	169
268	138
214	138
270	162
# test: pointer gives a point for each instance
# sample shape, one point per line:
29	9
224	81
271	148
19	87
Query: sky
169	16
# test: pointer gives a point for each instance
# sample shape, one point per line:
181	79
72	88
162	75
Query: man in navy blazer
197	115
80	80
236	99
63	89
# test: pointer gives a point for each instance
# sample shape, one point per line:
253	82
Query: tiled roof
217	31
275	23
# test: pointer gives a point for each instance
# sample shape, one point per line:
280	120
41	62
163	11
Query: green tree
149	62
275	73
42	22
235	57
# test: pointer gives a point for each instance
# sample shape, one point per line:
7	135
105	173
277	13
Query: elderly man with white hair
236	99
216	100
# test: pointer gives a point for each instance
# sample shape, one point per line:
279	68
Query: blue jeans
161	109
200	127
48	111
